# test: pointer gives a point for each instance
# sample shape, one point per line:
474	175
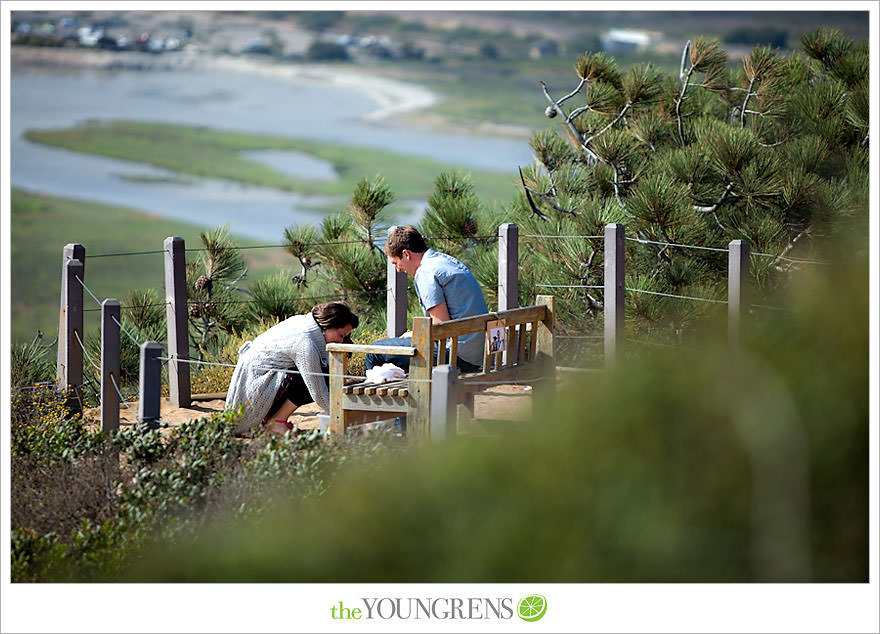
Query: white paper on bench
384	372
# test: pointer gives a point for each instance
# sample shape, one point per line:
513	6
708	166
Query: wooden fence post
338	368
396	298
737	287
110	365
150	385
70	355
177	318
508	277
444	402
508	266
419	412
545	354
72	251
615	287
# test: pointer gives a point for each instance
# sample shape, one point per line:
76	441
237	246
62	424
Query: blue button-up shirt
441	278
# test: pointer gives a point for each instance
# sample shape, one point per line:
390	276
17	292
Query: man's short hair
406	237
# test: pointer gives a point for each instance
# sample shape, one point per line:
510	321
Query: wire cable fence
125	253
657	293
88	290
554	237
122	399
165	360
530	236
287	245
132	307
86	354
125	330
696	299
495	236
375	244
191	301
284	299
724	250
96	392
658	344
296	371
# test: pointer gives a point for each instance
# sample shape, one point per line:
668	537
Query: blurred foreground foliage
85	504
707	462
711	463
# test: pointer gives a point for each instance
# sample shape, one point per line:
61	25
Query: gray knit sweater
295	342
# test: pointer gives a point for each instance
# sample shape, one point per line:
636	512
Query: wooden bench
528	357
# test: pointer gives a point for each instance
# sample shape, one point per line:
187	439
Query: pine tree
214	304
774	152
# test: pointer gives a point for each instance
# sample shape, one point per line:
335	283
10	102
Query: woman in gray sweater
283	367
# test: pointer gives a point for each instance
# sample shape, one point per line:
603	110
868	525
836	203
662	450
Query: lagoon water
226	100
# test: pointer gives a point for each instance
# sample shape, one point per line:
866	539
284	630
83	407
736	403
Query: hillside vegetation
705	461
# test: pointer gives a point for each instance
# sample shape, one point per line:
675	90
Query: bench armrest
408	351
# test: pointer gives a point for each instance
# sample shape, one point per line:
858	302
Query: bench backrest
529	355
529	340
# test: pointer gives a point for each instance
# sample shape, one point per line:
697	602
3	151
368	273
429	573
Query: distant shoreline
393	96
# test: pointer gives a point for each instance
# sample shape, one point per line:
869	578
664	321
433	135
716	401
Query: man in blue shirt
446	290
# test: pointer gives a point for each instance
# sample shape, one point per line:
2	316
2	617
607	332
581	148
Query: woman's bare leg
282	413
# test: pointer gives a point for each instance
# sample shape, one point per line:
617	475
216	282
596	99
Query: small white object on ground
323	422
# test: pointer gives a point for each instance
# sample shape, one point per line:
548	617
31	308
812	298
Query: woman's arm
308	361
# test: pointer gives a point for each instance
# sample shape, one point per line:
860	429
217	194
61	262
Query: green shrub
84	506
29	363
43	425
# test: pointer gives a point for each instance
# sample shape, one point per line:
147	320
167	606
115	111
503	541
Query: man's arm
439	313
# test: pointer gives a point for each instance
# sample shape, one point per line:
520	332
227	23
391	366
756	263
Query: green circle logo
532	608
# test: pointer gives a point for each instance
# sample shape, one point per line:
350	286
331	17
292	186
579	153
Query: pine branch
743	109
238	279
619	116
685	78
534	209
616	183
789	247
574	114
547	197
714	207
573	92
571	128
661	253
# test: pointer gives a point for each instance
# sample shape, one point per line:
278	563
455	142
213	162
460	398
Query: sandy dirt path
501	402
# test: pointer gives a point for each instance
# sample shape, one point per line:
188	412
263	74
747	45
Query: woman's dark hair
406	237
334	315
